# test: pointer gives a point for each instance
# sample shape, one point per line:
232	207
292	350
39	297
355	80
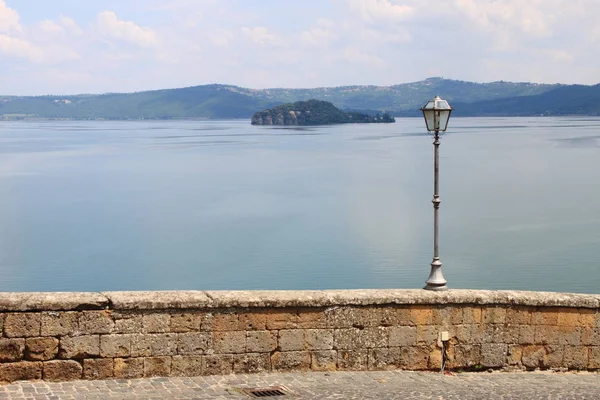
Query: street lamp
436	113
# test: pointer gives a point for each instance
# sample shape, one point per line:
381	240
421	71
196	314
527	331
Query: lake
158	205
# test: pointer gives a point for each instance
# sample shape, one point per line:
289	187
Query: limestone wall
63	336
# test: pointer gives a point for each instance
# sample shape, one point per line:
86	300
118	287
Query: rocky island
314	112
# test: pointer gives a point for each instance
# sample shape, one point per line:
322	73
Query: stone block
186	322
20	371
435	359
545	316
62	370
95	322
466	334
323	360
186	366
515	354
22	325
383	359
567	316
11	349
587	317
569	335
519	315
590	336
218	364
494	355
291	361
465	356
494	315
457	315
594	358
59	323
402	336
427	334
157	366
472	315
348	339
554	357
276	320
251	363
194	343
41	349
112	346
79	347
440	315
128	368
357	317
252	321
527	334
229	342
127	322
225	322
352	360
261	341
546	334
319	339
98	368
156	323
311	319
575	357
414	357
291	340
158	344
141	345
396	316
421	315
533	356
376	337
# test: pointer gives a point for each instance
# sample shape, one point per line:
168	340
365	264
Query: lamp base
436	280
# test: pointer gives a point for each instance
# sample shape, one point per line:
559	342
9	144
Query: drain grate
265	391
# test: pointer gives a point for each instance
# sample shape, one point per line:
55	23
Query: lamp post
436	113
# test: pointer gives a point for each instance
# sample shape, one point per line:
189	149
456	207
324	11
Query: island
314	112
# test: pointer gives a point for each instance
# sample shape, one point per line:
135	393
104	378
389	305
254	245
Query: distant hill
226	101
314	112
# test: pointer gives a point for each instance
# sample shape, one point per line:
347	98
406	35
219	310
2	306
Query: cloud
262	36
559	55
373	10
20	48
112	27
9	19
532	17
221	37
356	56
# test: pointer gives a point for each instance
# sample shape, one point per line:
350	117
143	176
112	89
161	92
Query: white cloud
532	17
112	27
559	55
20	48
262	36
373	10
355	55
9	19
221	37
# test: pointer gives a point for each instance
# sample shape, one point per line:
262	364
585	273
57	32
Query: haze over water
89	206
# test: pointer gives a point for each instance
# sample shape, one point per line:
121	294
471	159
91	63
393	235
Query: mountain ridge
231	101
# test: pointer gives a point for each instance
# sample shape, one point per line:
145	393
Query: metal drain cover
271	391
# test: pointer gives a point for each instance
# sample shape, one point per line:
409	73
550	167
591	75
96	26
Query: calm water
88	206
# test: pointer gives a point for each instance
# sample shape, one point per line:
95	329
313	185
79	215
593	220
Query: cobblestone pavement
334	385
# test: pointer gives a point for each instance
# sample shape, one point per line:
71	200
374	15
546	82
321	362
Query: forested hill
226	101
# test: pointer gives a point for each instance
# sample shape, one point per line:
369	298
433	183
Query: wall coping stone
156	300
51	301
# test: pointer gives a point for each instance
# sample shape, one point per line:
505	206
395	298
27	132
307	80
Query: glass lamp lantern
436	113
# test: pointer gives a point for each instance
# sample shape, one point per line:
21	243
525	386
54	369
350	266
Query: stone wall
65	336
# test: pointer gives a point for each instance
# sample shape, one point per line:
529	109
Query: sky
99	46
